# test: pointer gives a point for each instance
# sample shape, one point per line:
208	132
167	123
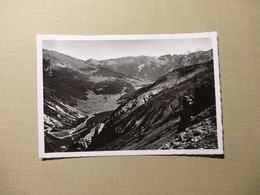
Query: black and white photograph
129	95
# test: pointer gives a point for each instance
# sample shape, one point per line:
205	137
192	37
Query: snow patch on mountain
51	122
140	67
60	65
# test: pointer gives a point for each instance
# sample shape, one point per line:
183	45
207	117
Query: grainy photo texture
128	95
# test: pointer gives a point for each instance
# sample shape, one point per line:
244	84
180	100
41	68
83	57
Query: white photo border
211	35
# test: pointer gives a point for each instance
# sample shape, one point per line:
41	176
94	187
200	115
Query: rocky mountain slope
58	114
200	132
152	115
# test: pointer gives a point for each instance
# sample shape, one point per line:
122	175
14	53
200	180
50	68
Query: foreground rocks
201	134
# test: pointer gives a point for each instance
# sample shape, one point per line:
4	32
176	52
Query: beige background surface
22	172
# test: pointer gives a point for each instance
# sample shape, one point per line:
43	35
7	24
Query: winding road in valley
70	132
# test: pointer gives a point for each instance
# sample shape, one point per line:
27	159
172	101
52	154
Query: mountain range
149	68
129	103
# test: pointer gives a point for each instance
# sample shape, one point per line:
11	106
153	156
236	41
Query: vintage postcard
129	95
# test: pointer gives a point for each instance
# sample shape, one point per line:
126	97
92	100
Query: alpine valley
129	103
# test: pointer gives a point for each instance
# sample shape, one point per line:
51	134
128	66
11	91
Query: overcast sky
106	49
